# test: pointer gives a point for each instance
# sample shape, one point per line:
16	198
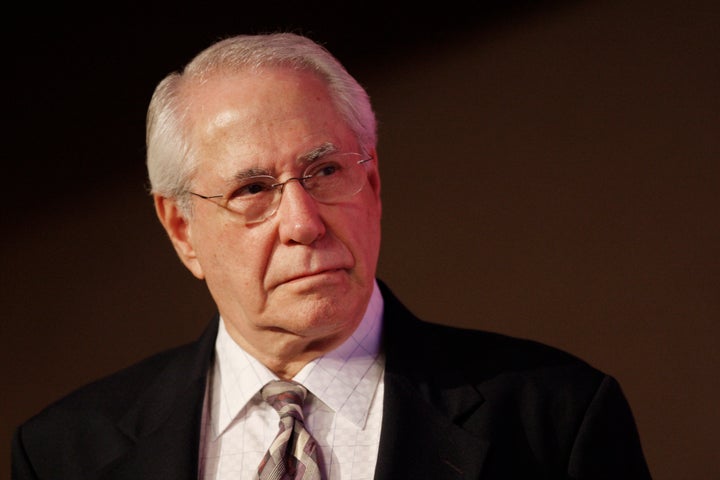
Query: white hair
170	161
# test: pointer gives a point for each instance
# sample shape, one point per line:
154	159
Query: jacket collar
422	435
425	406
165	422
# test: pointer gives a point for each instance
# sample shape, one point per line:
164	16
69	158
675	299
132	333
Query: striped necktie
293	453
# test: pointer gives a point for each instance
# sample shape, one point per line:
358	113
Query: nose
298	215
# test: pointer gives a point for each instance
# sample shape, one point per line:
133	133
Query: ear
178	229
374	175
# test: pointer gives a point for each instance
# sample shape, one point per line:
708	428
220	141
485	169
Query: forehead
253	116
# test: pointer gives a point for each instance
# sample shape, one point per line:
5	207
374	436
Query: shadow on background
550	170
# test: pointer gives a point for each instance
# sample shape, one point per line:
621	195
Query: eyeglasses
332	179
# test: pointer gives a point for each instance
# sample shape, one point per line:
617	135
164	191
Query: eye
325	169
253	186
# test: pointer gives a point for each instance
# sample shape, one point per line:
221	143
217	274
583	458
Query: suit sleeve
608	445
21	468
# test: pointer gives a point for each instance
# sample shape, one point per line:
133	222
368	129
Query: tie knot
285	397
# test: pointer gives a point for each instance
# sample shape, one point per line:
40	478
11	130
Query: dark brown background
550	171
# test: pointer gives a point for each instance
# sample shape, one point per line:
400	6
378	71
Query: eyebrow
303	160
317	152
251	172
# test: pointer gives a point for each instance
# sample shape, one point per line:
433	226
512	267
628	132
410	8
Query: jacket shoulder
114	393
93	425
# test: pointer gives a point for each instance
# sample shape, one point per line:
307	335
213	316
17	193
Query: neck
284	353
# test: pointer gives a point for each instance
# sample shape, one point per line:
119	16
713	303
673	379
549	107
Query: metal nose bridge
280	187
300	180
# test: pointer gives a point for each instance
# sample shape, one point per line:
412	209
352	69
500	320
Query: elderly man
262	158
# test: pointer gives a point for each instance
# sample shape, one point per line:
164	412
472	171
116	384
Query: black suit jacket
459	404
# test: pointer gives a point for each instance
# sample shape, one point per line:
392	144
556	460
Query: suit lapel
425	408
422	434
164	426
418	441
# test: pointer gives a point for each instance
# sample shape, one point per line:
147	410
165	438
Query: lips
294	265
324	271
315	273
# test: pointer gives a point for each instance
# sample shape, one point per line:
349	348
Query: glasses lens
335	179
254	199
259	210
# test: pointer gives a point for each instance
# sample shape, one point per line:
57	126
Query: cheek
365	225
228	253
234	273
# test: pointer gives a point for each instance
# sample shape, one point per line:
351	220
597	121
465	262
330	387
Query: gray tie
293	453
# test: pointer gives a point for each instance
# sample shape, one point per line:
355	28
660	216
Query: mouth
325	275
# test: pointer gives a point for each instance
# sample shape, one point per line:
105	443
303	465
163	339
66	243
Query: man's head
290	267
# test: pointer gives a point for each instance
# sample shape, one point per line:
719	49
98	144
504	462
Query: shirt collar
345	379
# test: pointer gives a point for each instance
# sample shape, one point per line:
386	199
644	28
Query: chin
325	314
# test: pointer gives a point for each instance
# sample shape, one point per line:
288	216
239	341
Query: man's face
307	270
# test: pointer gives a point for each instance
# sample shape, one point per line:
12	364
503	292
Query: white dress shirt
343	409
